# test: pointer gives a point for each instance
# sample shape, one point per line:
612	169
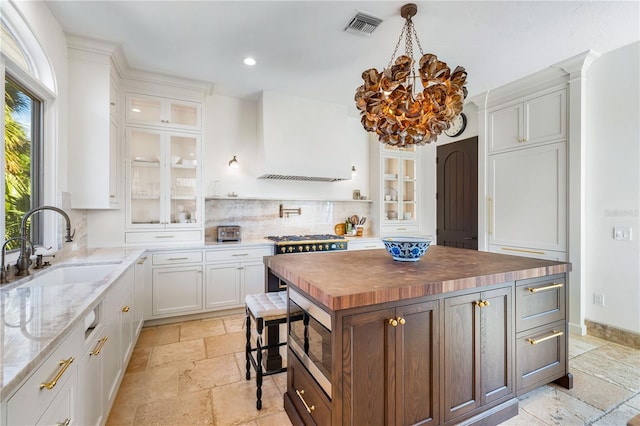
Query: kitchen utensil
362	220
354	220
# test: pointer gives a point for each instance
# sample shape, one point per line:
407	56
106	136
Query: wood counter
453	338
343	280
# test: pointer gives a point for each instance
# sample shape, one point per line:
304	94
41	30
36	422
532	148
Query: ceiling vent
362	23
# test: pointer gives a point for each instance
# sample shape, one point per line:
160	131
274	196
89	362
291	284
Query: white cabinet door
253	276
399	192
505	127
140	282
528	198
63	409
176	290
546	117
163	112
112	367
222	287
91	385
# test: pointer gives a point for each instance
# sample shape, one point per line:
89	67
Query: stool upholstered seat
266	309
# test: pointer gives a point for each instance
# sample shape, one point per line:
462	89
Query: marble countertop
342	280
35	319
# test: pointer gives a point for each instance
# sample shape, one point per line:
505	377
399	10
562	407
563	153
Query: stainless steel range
308	243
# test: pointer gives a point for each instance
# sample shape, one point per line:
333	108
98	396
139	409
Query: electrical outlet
598	299
622	233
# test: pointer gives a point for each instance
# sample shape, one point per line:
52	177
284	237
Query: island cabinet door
478	346
390	365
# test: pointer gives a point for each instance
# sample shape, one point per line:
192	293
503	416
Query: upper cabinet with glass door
399	191
164	112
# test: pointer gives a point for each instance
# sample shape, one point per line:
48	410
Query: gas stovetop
305	238
308	243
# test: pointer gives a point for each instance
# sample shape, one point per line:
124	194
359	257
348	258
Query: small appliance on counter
228	233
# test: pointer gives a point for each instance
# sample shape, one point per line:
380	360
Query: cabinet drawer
302	387
163	236
29	402
540	356
178	257
238	255
540	302
559	256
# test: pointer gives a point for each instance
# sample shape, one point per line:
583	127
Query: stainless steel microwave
310	337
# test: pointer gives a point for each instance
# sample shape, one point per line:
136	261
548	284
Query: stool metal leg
259	326
247	348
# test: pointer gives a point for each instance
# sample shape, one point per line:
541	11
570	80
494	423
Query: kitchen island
453	338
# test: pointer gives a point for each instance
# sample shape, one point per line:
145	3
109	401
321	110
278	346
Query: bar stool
266	309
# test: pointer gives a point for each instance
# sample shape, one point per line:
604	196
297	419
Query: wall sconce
354	172
233	163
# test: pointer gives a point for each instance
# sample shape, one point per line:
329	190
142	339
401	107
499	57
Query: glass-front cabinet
158	111
398	192
163	178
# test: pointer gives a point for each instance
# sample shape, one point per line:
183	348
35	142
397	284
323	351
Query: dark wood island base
451	339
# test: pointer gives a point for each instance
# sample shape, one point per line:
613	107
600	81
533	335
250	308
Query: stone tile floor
193	373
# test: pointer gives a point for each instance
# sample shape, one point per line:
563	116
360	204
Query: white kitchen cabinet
396	193
164	175
527	200
94	147
92	395
49	395
142	276
176	290
538	118
232	274
366	244
163	112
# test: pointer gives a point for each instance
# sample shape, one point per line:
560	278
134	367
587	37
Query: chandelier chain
393	55
415	34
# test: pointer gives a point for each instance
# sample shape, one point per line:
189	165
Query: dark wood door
457	194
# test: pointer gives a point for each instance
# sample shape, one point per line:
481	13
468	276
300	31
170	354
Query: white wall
231	129
613	188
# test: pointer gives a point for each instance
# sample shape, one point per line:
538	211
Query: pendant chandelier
388	104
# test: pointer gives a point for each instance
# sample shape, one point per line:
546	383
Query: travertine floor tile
581	344
193	408
160	335
226	344
619	416
208	373
191	350
595	391
557	408
236	402
608	369
620	353
634	402
234	324
278	419
139	359
140	388
524	419
201	328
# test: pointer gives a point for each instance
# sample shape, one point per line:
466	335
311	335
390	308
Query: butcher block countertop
349	279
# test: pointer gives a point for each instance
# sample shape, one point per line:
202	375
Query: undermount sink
72	274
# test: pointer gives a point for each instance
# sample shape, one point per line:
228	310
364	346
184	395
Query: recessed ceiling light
249	61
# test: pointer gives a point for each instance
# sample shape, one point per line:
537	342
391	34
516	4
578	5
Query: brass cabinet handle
523	250
555	334
240	254
99	347
309	409
486	303
178	258
401	321
65	363
66	422
548	287
480	304
393	322
165	236
142	260
490	215
125	309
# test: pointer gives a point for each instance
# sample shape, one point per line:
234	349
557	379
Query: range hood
302	139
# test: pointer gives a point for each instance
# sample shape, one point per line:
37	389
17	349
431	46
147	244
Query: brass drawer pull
240	254
142	260
66	422
99	347
65	363
482	303
555	334
523	250
178	258
125	309
548	287
309	409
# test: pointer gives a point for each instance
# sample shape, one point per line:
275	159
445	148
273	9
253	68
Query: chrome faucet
4	274
24	260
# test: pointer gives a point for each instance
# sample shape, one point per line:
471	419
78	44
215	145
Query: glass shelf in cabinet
136	163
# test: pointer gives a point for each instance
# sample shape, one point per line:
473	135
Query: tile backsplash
259	218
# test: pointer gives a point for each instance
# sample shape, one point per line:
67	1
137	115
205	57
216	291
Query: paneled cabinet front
163	112
176	290
477	351
390	366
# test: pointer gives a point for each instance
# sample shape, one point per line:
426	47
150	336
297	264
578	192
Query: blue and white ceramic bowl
406	249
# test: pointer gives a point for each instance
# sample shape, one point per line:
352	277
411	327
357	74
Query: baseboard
613	334
579	329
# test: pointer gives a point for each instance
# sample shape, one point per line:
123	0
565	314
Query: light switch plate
622	233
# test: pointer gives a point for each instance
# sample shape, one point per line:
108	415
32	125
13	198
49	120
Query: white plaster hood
302	139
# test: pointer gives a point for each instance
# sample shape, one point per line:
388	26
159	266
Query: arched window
28	87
